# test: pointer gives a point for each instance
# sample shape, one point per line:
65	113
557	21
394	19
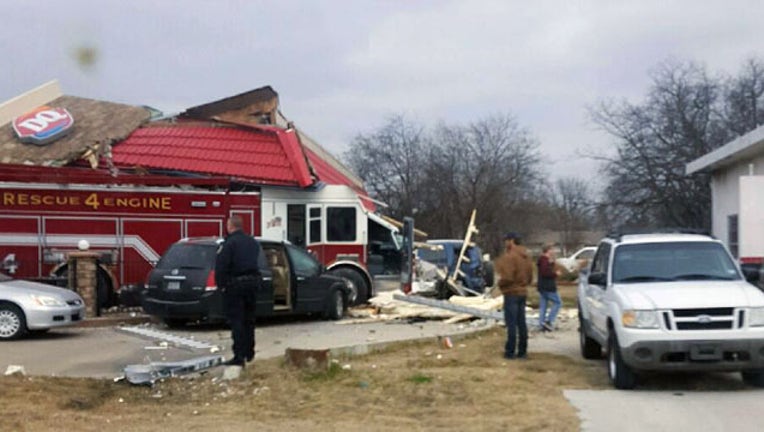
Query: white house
737	193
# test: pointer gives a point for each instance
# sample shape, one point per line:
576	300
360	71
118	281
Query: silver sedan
30	306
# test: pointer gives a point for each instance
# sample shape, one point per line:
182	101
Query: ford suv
670	302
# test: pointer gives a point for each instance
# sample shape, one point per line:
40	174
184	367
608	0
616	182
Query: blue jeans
544	298
514	318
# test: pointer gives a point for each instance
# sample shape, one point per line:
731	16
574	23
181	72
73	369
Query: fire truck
130	183
132	219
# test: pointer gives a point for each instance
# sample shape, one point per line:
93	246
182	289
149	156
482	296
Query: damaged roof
95	123
265	155
256	103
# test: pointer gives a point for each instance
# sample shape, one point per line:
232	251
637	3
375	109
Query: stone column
83	268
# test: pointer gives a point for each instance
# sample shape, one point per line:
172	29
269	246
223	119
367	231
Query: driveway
661	402
668	410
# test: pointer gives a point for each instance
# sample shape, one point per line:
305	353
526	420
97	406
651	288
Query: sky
343	67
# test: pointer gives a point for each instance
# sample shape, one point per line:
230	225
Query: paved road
103	352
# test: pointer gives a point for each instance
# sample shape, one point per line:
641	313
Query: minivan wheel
753	378
13	323
336	307
175	323
620	374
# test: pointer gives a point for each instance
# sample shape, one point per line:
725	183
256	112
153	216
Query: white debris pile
15	370
384	307
427	278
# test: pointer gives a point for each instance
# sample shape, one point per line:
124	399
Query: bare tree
743	108
573	208
492	165
439	177
390	160
676	124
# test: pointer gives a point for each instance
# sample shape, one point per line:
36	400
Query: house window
732	235
341	224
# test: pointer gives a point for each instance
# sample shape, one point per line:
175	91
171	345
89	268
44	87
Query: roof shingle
268	156
95	123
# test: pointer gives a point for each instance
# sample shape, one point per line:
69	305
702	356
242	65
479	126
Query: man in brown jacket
515	270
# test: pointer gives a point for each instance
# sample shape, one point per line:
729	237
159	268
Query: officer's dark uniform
237	273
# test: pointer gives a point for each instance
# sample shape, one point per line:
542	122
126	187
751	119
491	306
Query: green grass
333	372
420	378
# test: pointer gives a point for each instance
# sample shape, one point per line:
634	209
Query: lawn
412	386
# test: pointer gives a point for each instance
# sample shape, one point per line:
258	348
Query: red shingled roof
266	155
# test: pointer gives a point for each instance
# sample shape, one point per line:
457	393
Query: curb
374	347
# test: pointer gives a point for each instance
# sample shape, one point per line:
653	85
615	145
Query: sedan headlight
641	319
756	317
44	300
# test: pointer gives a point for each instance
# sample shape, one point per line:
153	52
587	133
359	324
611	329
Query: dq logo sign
43	125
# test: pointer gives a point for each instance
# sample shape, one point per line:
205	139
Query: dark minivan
181	288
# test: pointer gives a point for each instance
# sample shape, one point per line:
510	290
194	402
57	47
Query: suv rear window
188	256
659	262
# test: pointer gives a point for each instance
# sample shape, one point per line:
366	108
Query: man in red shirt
547	286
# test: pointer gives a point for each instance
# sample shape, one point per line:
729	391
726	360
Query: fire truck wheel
357	282
13	323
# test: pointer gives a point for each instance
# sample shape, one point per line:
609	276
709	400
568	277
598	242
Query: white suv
670	301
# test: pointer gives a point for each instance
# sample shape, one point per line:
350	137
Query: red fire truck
132	219
131	186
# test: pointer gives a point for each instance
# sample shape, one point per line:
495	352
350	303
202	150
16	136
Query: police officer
238	276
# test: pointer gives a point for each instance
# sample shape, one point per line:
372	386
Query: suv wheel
619	373
753	378
590	349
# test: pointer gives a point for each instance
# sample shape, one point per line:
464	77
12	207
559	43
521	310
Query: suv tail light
211	285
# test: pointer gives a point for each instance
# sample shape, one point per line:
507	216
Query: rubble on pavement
384	308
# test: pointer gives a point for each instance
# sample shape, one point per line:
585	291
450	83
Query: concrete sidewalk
104	352
657	411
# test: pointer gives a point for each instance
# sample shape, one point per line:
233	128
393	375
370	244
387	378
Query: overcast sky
342	67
